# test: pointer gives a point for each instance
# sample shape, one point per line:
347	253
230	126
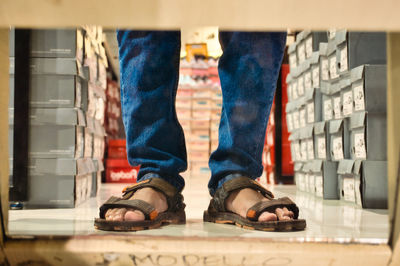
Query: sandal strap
270	206
148	210
230	186
173	196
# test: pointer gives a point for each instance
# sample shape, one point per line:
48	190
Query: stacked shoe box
113	109
347	163
58	102
96	63
198	105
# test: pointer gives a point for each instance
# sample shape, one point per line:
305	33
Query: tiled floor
327	221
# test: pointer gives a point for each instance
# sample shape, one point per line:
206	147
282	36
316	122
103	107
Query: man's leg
149	67
248	69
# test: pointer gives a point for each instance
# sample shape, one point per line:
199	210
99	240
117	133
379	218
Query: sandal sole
235	219
165	218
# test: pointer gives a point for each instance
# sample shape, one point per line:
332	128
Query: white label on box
307	81
310	149
302	53
293	60
294	91
333	67
309	48
302	117
325	68
311	183
359	103
343	59
360	151
302	182
315	77
321	147
289	122
336	108
300	86
289	91
304	150
296	123
348	189
332	34
337	148
319	186
357	191
328	110
310	113
348	103
306	182
297	151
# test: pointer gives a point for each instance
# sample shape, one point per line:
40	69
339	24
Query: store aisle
327	221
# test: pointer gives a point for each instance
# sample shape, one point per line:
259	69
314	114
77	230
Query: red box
120	171
117	148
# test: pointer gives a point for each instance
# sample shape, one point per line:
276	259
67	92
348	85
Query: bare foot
240	201
149	195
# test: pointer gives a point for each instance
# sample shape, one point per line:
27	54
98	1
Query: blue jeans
149	67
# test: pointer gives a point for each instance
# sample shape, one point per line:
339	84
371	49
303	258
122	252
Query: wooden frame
172	14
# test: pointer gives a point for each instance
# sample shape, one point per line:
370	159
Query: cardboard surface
393	114
4	65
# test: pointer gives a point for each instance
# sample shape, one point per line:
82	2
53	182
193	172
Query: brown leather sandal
175	214
217	213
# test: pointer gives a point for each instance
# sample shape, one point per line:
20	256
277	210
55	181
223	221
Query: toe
287	213
119	214
134	215
280	213
267	217
110	214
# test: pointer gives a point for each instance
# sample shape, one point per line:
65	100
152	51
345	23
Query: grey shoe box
309	178
302	114
336	99
322	140
307	143
369	88
359	48
300	177
312	40
327	101
295	146
54	133
364	183
326	181
346	95
289	87
55	82
368	136
315	70
89	132
292	56
61	43
307	77
339	139
56	183
300	81
313	99
300	48
324	63
289	116
347	181
98	140
96	177
333	69
374	186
